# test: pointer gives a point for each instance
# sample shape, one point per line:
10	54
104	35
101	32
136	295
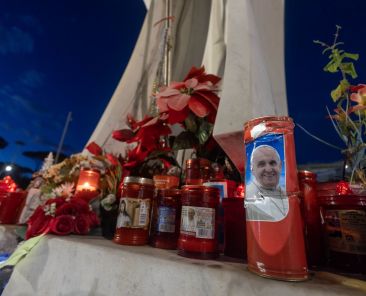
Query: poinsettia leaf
185	140
123	135
190	123
204	132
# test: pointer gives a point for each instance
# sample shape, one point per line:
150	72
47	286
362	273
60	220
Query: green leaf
353	56
204	132
336	93
190	123
332	66
340	90
185	140
349	69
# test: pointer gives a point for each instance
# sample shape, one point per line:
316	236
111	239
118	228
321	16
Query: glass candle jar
311	215
198	228
88	180
198	171
166	181
134	211
275	240
166	219
234	227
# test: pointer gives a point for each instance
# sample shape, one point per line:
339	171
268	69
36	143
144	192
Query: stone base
81	265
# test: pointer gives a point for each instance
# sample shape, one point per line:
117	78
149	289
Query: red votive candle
88	180
166	219
198	171
11	205
234	227
134	211
311	215
198	229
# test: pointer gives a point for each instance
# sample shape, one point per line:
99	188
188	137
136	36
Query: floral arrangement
62	216
349	118
192	105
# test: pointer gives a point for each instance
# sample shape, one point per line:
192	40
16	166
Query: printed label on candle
198	222
133	213
346	231
166	219
265	179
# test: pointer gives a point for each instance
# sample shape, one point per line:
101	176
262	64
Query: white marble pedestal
79	265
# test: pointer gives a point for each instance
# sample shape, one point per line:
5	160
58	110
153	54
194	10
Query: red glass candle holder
166	181
198	230
11	205
166	219
234	228
344	223
134	211
88	180
198	171
311	215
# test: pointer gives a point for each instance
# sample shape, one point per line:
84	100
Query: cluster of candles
189	219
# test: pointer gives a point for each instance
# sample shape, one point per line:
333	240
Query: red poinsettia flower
62	225
112	159
196	93
359	98
147	134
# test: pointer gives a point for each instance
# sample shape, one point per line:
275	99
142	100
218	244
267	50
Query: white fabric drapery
239	40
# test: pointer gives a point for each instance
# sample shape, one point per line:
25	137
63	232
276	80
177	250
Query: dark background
61	56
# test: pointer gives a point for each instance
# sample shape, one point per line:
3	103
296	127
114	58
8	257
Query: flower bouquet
189	107
62	216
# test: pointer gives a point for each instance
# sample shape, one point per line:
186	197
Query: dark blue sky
308	87
60	56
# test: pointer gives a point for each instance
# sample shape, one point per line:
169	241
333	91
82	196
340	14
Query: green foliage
349	122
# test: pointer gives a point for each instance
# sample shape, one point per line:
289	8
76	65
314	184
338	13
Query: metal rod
68	120
167	59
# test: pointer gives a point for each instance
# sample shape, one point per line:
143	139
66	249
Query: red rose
59	201
93	219
62	225
38	223
82	225
81	205
67	209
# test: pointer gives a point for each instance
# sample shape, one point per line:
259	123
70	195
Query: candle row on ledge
186	219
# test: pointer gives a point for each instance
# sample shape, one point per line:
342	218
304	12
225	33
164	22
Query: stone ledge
81	265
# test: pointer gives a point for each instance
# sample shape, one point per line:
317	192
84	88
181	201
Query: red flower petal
82	225
211	97
199	107
209	77
112	159
191	83
62	225
194	72
178	102
168	92
123	135
94	148
177	116
354	88
162	104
